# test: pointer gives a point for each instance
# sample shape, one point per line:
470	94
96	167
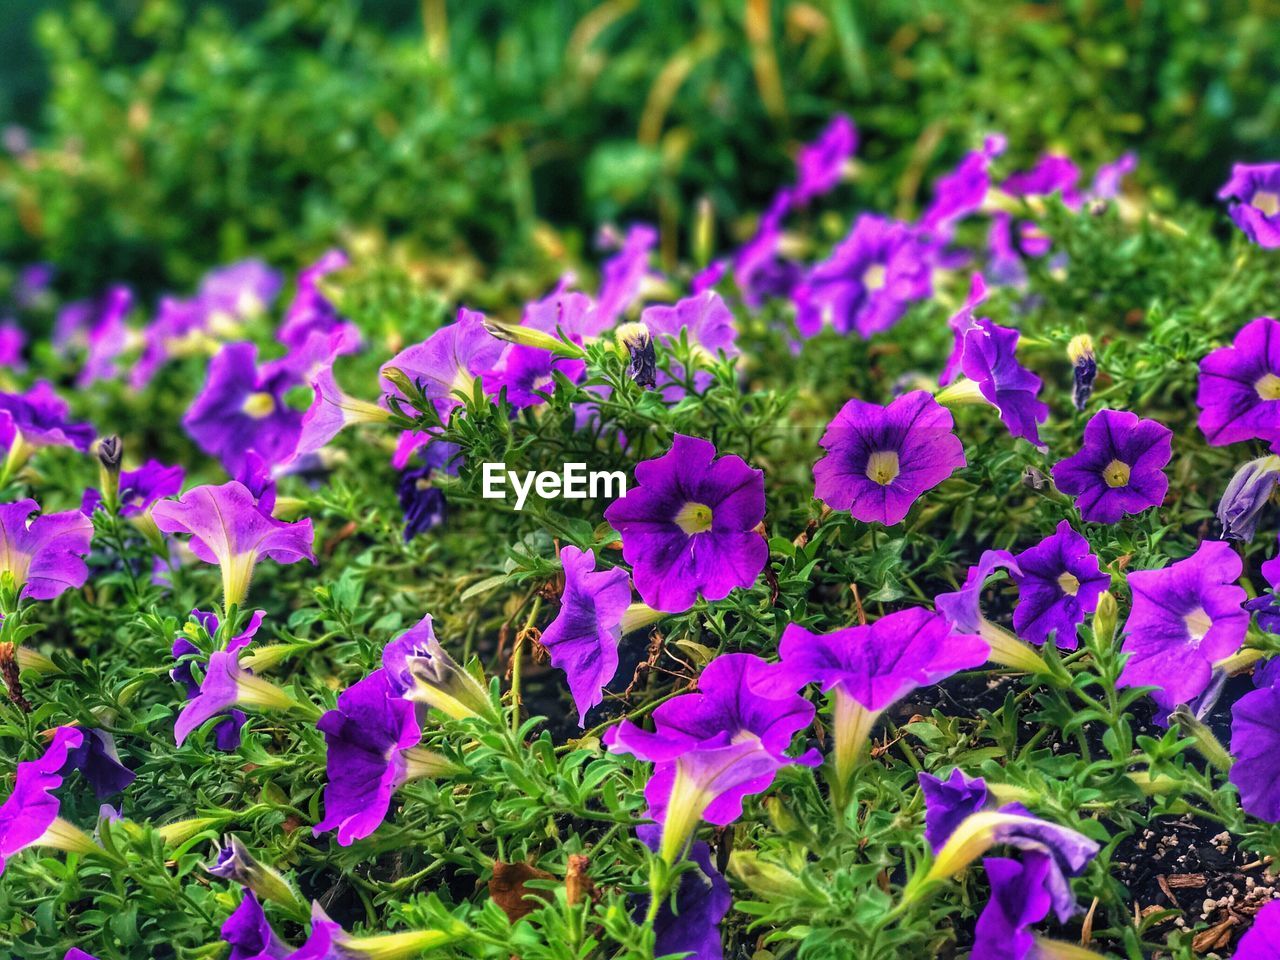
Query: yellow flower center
1268	386
1116	474
259	405
694	518
1267	201
874	277
882	467
1069	583
1198	624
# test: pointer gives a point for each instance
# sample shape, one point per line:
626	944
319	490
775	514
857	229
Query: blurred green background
159	137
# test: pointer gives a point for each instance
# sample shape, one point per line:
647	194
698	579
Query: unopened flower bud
1034	479
1104	619
110	451
1207	745
643	365
234	862
1085	368
1246	495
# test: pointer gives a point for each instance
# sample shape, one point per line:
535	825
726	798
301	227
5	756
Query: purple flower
311	311
622	276
1255	743
961	323
868	668
990	360
38	418
962	192
30	814
1059	581
1248	492
139	489
963	608
1053	173
226	734
99	763
702	899
107	335
1255	188
420	670
1019	897
1004	262
250	935
868	281
227	527
1262	941
1184	618
703	318
34	282
689	525
242	408
12	342
757	271
178	324
1239	392
528	371
423	504
331	411
583	638
75	953
713	748
948	802
820	164
448	361
1120	467
1109	177
239	290
1266	603
43	555
880	460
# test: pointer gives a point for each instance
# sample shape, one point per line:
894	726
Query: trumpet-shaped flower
963	608
1254	189
447	362
1019	897
45	555
226	735
1053	173
1120	467
420	670
961	322
880	460
331	411
227	527
250	935
527	371
139	489
226	684
239	291
868	281
1184	618
38	418
689	525
1248	492
1239	391
990	360
1059	581
29	817
820	164
583	638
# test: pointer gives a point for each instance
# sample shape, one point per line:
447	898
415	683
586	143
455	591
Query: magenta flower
880	460
713	748
868	281
420	670
961	322
866	669
1255	188
12	344
702	899
1004	262
963	608
448	361
1109	177
583	638
1120	467
689	525
1255	744
622	276
45	555
990	360
707	325
1019	897
239	291
242	409
1262	941
962	192
1053	173
29	816
38	418
331	411
106	334
820	164
1059	581
250	935
1239	392
1184	618
226	527
758	272
139	489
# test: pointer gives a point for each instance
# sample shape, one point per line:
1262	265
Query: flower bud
1207	745
1085	368
643	366
531	337
1246	495
1104	619
110	450
234	862
767	880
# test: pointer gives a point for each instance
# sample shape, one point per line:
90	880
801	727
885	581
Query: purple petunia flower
961	323
1004	262
423	504
310	310
528	371
242	408
45	555
226	735
702	899
948	802
1262	941
1255	744
1019	897
990	360
421	670
758	272
250	935
75	953
820	164
1059	581
448	361
38	418
331	411
139	489
1053	173
963	609
30	814
1239	391
622	276
880	460
866	669
1249	490
689	525
227	527
962	192
1109	177
12	344
106	334
713	748
868	281
1184	618
583	638
1255	188
240	290
1120	467
99	763
706	323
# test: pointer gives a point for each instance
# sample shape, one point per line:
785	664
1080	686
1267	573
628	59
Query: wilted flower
29	817
880	460
1255	188
1059	581
1184	618
1247	493
642	361
45	555
1239	391
227	527
447	362
868	281
1120	467
689	525
820	164
583	638
235	863
866	669
1084	369
419	669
